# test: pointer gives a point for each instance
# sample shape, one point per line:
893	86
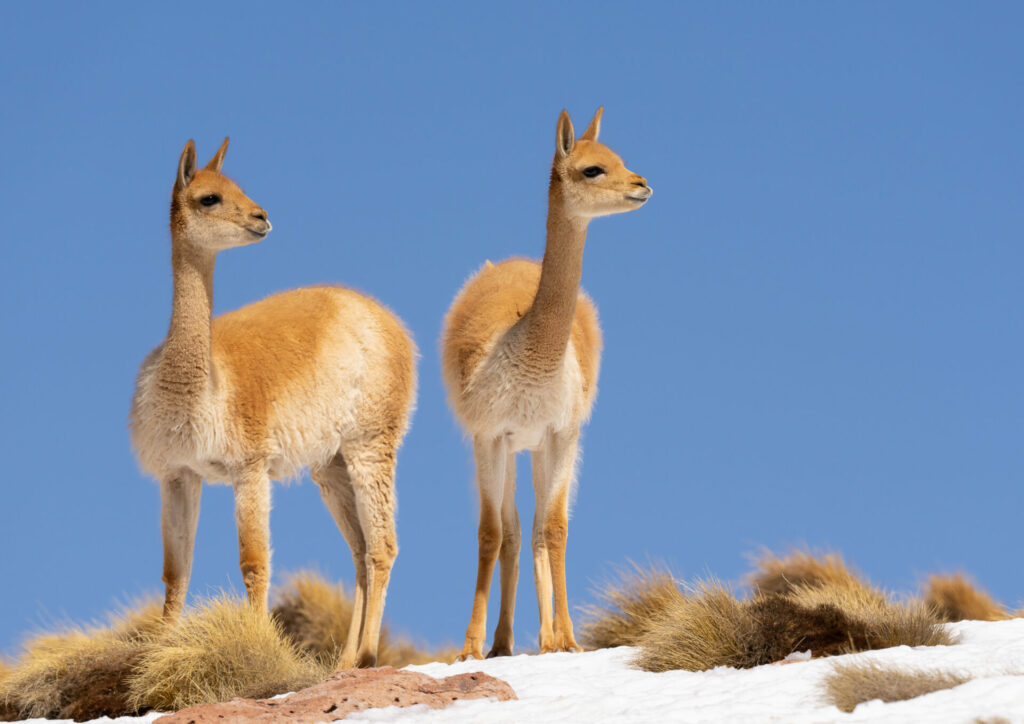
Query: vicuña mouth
260	234
638	199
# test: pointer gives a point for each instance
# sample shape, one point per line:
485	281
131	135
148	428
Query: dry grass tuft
782	574
628	607
884	622
225	648
853	684
7	712
829	611
219	650
315	615
79	673
705	628
957	598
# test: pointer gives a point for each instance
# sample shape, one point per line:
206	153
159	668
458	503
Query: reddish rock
348	691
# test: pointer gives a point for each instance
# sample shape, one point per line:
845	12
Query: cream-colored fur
320	377
521	351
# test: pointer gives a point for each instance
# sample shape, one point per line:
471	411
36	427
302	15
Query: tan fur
521	353
322	377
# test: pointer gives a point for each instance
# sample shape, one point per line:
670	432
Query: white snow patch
603	686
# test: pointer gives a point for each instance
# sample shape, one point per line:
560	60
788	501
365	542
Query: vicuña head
592	178
210	210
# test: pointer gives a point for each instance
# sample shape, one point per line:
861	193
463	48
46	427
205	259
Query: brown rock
348	691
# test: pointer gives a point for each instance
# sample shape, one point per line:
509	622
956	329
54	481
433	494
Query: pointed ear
565	137
594	128
218	158
186	166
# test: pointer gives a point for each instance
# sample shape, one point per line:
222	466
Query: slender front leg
541	562
372	471
490	478
509	557
252	515
179	515
561	454
336	489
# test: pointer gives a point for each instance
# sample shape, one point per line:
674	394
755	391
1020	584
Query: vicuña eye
210	200
593	171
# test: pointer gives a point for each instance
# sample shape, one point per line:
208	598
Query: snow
603	686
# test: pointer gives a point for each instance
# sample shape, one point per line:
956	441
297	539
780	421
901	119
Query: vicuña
320	377
521	350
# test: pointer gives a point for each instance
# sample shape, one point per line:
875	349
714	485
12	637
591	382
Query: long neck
548	323
186	360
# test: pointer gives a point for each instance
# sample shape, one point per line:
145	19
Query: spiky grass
315	614
7	711
223	649
851	684
830	611
956	598
628	607
781	574
80	673
886	622
705	628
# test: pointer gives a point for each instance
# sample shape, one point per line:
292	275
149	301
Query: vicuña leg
179	515
252	515
559	458
372	471
491	457
336	489
541	562
509	557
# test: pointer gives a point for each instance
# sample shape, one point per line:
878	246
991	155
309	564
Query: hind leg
371	467
335	485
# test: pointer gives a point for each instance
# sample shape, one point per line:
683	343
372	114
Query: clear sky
814	331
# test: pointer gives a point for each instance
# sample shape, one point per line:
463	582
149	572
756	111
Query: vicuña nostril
261	215
640	182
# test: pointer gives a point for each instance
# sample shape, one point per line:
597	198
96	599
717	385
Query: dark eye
592	171
210	200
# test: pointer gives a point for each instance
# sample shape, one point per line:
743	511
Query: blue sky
814	331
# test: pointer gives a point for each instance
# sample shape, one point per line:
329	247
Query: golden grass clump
314	615
79	673
884	622
781	574
799	603
956	598
852	684
223	649
705	628
629	607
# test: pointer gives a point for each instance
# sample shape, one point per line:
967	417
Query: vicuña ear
565	138
186	166
594	128
218	158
